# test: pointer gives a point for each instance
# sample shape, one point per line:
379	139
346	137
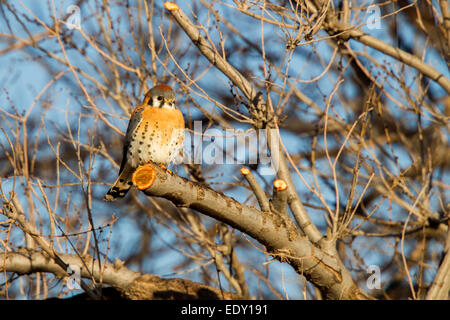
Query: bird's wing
133	124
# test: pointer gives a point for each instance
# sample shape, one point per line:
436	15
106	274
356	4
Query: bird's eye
160	98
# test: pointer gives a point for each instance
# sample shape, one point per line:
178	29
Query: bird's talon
165	168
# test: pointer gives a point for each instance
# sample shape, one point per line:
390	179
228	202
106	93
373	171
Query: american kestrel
155	133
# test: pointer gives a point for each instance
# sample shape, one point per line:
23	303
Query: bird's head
160	96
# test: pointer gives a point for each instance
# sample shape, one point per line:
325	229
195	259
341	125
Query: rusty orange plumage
155	134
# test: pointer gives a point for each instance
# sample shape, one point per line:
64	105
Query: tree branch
280	196
257	190
211	54
440	288
12	212
402	56
345	31
280	236
130	284
252	95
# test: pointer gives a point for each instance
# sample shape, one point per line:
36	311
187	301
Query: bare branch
132	285
440	287
281	237
257	190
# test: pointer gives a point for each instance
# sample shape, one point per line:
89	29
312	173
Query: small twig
257	190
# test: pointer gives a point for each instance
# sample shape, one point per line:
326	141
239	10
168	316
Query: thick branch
280	236
298	210
402	56
131	285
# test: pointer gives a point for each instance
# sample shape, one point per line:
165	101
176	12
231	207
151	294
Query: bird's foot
165	168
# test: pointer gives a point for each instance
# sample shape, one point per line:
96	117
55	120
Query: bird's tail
120	187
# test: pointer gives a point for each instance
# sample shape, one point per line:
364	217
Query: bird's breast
158	138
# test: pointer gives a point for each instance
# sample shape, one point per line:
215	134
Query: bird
155	134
